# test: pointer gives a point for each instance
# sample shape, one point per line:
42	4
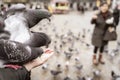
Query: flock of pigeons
19	45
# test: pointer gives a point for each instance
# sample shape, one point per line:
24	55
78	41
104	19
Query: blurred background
54	5
71	31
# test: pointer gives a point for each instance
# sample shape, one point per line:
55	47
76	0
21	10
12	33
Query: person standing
3	9
116	15
99	31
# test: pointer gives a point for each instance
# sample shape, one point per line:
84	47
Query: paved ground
77	23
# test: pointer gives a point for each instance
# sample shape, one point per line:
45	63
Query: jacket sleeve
93	21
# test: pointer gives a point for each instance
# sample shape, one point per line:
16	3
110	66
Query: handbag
110	34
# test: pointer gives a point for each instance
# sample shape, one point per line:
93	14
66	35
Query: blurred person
71	5
78	6
116	15
9	5
99	31
3	9
82	9
95	8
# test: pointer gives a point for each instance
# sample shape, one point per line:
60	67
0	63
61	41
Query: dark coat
100	29
19	74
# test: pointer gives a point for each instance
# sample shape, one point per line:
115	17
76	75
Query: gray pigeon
17	53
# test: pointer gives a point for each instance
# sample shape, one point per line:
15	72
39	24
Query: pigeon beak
48	15
49	18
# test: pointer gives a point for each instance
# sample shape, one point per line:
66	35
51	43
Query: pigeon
18	45
67	78
115	76
68	55
55	73
97	73
79	67
81	78
20	22
45	66
17	53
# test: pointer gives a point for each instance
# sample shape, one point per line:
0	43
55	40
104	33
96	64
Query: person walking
116	15
100	29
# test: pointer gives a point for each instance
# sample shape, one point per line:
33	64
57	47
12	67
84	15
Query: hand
95	17
46	55
40	60
111	29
